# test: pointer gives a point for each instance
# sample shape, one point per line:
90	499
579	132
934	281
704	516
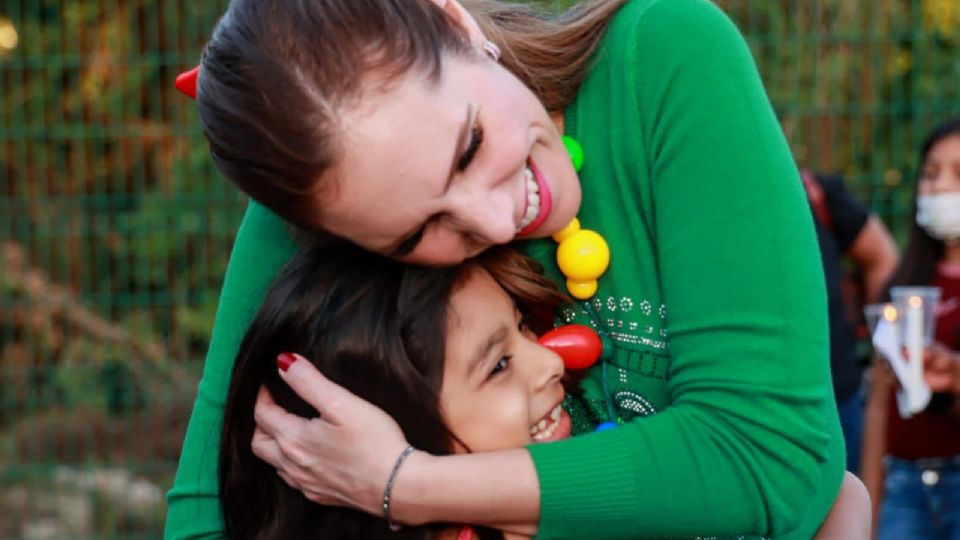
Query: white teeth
532	186
543	429
533	199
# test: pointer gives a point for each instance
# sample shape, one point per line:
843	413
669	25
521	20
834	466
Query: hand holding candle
917	307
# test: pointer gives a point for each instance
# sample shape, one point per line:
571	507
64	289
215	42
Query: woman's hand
941	369
341	458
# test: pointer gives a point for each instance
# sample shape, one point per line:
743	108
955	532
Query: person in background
912	466
846	228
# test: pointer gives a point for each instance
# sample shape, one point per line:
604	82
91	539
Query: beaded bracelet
385	505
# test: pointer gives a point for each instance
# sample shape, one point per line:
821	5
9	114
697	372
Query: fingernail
285	360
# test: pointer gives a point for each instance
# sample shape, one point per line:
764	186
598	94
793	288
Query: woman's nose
489	217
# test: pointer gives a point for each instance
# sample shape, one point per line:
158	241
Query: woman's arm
262	246
750	439
345	456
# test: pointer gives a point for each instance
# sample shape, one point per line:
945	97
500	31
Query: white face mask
939	215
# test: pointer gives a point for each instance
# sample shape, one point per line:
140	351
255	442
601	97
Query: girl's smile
501	389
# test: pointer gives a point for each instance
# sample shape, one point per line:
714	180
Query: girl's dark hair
374	326
276	76
922	253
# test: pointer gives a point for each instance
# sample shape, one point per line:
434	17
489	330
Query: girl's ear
463	19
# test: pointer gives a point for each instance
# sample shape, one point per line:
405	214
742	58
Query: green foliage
858	84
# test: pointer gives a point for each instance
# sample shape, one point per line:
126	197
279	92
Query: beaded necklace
582	256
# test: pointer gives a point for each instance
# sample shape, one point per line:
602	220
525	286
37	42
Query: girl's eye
502	364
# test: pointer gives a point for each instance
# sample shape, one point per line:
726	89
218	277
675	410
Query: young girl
917	488
450	353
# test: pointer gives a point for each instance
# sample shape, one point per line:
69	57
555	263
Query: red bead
578	345
187	82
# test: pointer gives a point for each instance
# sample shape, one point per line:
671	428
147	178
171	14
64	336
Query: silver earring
492	50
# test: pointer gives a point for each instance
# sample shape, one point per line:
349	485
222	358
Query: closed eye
409	244
476	139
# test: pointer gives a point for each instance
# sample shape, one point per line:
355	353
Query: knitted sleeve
262	246
749	442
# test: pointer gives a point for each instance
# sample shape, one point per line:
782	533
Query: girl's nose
546	367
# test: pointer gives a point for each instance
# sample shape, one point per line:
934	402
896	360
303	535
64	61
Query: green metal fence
115	229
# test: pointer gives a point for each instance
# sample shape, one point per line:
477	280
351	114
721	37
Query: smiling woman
488	135
384	123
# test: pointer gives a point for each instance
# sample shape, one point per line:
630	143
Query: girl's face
434	173
941	170
501	389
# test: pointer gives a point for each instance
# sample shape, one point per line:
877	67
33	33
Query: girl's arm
881	382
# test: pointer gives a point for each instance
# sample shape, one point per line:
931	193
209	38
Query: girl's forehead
478	296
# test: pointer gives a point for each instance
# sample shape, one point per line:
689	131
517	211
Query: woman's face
941	170
436	173
501	389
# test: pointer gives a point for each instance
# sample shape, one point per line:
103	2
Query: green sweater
714	301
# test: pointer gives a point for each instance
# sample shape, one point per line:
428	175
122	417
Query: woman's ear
463	19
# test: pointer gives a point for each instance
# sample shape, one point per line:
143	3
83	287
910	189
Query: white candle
914	339
890	315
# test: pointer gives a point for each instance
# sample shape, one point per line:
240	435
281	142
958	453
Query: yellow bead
581	290
571	228
584	255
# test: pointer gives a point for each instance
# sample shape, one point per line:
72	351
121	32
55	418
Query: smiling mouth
539	201
552	427
533	199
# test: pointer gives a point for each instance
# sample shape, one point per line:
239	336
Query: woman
916	487
382	123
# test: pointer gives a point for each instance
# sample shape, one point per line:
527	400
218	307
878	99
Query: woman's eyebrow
483	351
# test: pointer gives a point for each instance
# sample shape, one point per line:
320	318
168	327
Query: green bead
575	151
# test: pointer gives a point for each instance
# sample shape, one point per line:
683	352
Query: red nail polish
285	360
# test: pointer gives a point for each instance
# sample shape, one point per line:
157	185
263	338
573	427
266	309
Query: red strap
466	533
818	200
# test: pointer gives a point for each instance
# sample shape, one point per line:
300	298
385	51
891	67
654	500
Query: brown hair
549	54
376	327
275	75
